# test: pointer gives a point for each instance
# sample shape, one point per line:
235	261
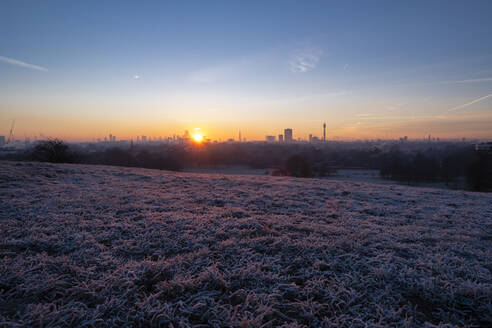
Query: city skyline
79	71
198	137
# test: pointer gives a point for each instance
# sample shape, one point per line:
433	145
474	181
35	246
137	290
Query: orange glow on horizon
88	128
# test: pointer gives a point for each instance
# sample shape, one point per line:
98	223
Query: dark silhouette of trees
458	165
160	161
119	157
392	165
298	166
52	150
480	173
423	168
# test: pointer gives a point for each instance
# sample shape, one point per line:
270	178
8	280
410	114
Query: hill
111	246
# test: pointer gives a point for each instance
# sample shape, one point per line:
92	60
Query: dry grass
104	246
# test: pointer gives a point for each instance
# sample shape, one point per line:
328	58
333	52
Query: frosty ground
109	246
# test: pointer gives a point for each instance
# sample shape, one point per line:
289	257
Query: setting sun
197	137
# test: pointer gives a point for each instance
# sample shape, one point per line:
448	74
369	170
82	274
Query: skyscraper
324	131
288	135
280	138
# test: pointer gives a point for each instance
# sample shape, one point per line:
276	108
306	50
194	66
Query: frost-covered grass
106	246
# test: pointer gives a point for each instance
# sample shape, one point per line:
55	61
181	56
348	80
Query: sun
197	137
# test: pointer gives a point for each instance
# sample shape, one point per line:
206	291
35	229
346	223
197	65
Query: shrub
52	150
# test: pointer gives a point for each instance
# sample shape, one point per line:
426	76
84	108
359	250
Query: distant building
288	135
310	137
324	131
280	138
270	138
144	139
2	140
484	147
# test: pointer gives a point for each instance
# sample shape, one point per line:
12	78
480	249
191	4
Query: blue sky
79	70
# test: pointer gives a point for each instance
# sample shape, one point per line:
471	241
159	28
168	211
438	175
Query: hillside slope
109	246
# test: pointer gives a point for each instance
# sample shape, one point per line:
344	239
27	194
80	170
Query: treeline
444	165
286	160
415	163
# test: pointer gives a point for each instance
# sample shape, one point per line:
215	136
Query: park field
103	246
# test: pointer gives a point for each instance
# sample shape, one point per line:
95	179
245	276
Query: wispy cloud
238	67
285	101
15	62
211	74
470	103
486	79
304	60
394	107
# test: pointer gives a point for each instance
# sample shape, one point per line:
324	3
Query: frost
107	246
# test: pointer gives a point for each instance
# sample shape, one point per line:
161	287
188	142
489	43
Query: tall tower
288	135
240	139
324	131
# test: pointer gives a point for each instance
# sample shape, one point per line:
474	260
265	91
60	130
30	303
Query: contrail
485	79
16	62
470	103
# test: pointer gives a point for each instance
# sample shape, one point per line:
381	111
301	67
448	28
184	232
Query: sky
80	70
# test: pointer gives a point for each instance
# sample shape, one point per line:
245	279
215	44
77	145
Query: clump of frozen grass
103	246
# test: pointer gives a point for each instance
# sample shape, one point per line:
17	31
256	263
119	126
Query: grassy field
106	246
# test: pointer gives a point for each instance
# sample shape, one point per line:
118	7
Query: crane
11	134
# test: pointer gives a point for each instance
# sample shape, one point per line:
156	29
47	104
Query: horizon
79	71
205	139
